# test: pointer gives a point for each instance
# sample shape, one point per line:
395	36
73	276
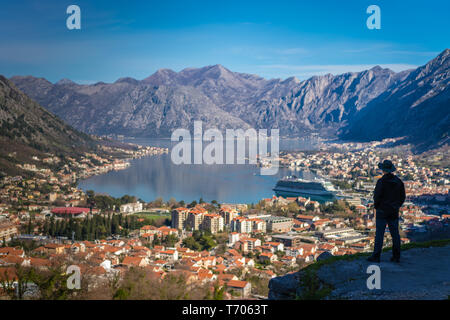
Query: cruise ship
317	189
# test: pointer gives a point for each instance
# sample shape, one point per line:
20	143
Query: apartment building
259	225
194	220
8	231
241	225
288	240
228	214
213	223
278	224
179	218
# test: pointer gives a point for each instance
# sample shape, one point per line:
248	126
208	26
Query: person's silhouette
388	197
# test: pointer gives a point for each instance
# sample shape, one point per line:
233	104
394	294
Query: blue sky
274	39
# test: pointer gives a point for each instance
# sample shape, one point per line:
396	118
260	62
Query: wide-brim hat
387	166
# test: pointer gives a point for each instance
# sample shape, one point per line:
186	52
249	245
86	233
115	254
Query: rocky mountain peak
161	77
377	68
128	80
65	81
327	103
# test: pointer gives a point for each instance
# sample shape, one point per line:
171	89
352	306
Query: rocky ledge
422	274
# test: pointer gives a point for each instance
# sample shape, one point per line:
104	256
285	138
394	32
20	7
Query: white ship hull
304	191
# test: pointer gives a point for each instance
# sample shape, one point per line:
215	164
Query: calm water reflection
152	177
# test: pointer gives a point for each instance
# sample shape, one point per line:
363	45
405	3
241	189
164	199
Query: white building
233	237
131	207
241	225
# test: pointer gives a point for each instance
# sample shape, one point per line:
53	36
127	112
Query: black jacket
389	196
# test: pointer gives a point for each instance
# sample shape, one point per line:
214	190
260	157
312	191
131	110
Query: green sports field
153	215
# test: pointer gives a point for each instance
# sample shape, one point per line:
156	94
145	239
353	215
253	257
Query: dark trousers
379	236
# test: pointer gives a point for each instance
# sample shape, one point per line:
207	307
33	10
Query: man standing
388	197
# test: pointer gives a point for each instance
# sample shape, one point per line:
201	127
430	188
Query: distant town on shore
217	250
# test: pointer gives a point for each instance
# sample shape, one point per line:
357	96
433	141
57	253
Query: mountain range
417	107
368	105
27	130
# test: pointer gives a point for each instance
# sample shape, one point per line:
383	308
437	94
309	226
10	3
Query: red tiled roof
135	261
70	210
237	283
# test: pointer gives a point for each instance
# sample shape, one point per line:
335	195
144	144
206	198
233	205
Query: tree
200	241
221	249
260	285
52	284
15	281
121	294
208	243
218	292
170	240
172	202
192	244
91	228
192	204
265	262
342	184
156	242
128	199
52	229
158	202
143	285
90	194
